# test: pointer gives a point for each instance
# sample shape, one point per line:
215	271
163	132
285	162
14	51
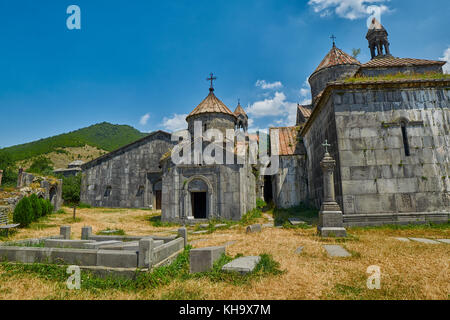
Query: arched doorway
199	199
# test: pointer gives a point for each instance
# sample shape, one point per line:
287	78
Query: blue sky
144	63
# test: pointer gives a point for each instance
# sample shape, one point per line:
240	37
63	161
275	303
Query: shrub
23	213
260	203
37	206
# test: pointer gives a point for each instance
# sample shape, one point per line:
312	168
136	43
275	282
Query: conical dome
239	110
336	57
211	104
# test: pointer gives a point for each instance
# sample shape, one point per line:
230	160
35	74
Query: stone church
389	135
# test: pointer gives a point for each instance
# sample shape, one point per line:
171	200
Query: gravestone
336	251
64	232
86	232
242	265
203	259
331	221
253	228
182	233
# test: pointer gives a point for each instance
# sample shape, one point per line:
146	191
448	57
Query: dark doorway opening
198	201
268	195
158	195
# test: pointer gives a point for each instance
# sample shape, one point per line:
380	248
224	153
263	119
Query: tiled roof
288	145
306	112
211	104
336	57
239	110
399	62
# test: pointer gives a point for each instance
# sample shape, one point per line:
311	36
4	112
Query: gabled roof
336	57
399	62
123	149
288	144
211	104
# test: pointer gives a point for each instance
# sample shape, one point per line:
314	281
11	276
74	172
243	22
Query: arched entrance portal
199	198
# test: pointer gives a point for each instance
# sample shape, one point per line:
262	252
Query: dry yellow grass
409	270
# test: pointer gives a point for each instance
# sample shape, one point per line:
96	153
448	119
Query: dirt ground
409	270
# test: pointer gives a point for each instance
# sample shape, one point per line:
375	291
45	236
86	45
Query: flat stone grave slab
203	225
229	243
268	225
299	250
200	232
444	240
335	250
423	240
202	259
242	265
99	244
220	225
108	231
63	243
254	228
402	239
296	221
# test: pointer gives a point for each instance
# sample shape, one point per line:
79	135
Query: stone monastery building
389	135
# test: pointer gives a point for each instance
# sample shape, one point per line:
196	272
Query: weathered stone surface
254	228
86	232
200	232
100	244
299	250
117	259
423	240
64	231
296	221
182	232
336	251
242	265
444	240
220	225
203	259
62	243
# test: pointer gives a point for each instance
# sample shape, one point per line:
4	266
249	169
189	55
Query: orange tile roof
336	57
288	144
211	104
399	62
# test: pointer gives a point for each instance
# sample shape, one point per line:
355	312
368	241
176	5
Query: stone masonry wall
380	183
291	185
320	79
125	173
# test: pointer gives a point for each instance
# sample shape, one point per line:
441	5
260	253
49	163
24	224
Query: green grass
83	205
303	212
156	222
161	276
399	76
251	216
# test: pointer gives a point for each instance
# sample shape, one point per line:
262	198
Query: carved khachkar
330	215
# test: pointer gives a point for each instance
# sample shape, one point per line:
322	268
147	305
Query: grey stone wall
323	127
291	182
218	121
380	183
129	173
319	80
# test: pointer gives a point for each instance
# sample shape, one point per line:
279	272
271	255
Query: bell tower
378	40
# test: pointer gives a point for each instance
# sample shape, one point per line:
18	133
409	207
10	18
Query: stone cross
326	145
334	40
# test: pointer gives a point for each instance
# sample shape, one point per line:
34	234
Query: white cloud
446	58
349	9
144	119
268	85
175	123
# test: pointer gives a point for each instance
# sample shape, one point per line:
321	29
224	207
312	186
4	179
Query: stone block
182	233
117	259
254	228
145	252
64	231
336	251
203	259
242	265
62	243
86	232
299	250
100	244
80	257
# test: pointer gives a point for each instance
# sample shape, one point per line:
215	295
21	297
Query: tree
23	213
9	169
355	53
37	206
71	191
41	165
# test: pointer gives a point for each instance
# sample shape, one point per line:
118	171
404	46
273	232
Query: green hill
105	136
